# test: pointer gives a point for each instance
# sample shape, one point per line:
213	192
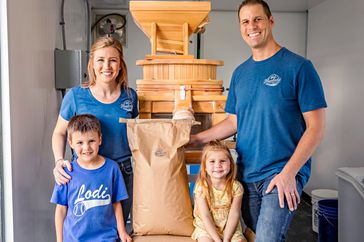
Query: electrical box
70	68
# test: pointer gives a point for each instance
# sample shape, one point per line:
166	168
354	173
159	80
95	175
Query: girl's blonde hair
204	179
104	42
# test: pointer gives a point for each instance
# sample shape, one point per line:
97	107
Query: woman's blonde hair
104	42
204	179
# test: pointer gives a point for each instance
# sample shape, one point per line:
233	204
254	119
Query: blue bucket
327	220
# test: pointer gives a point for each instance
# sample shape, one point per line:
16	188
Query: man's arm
222	130
59	217
311	138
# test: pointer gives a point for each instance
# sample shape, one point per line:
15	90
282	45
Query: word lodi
100	193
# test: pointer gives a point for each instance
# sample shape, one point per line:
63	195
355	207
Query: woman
108	97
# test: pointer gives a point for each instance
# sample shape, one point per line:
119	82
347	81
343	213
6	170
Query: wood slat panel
180	61
217	118
179	82
208	107
162	107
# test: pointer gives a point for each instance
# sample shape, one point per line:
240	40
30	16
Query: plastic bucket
317	195
327	220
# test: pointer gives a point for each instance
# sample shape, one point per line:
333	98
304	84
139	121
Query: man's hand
286	186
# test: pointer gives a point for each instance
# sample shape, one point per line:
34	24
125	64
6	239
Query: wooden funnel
168	25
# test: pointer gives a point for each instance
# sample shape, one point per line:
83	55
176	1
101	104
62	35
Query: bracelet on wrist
59	160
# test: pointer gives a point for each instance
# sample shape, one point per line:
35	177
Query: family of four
275	106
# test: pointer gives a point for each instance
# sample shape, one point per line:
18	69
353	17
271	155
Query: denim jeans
261	212
127	171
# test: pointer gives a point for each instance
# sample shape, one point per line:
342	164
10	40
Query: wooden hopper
168	25
175	84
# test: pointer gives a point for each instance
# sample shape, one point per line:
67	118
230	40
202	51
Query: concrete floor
301	226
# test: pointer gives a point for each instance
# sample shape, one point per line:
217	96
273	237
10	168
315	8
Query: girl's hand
124	237
59	173
286	186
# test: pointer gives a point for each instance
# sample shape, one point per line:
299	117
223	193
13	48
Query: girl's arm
233	218
120	223
206	217
59	216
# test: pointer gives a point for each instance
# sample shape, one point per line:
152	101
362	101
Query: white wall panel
33	28
335	45
222	39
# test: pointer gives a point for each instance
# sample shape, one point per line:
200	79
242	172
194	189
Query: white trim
6	127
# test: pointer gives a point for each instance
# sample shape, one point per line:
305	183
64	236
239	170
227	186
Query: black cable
62	23
63	92
88	32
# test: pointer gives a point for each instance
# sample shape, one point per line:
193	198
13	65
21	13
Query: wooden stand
172	84
175	81
168	25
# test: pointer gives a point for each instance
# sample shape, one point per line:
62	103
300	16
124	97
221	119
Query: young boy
88	207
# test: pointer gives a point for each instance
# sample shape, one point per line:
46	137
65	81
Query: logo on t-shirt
90	199
127	105
273	80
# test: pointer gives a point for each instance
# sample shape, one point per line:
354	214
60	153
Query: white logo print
89	199
273	80
127	105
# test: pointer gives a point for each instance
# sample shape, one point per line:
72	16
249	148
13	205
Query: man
276	106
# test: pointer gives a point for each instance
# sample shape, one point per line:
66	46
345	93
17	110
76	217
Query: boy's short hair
253	2
83	123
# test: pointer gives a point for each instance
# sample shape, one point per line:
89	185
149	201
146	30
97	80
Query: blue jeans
127	171
261	212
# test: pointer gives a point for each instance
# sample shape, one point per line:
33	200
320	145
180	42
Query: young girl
218	197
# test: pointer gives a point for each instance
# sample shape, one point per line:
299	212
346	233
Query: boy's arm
233	218
59	217
120	223
207	218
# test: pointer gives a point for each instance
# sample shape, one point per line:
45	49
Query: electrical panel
70	68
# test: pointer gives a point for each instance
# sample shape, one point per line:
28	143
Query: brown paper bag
161	200
162	238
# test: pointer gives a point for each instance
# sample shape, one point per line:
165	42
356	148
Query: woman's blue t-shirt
114	139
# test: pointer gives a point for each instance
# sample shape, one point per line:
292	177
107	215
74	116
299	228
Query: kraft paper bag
161	200
162	238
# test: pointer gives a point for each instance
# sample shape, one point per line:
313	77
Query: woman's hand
60	175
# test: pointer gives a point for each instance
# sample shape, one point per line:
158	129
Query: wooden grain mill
173	80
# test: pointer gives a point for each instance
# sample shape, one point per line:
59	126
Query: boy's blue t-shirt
114	139
268	97
89	197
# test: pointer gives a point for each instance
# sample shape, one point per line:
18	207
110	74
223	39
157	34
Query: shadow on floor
301	226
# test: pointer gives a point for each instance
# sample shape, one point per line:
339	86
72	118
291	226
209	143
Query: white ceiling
275	5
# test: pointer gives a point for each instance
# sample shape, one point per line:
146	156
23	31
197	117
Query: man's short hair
83	123
253	2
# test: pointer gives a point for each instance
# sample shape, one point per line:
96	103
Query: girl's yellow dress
220	207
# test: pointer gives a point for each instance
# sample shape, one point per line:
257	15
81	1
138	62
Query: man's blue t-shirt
89	197
114	139
268	98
